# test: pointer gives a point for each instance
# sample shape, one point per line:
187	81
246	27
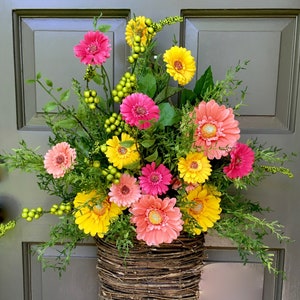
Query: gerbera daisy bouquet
148	159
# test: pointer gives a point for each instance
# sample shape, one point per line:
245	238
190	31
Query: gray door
39	36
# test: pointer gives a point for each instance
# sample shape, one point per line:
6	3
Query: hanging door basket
170	271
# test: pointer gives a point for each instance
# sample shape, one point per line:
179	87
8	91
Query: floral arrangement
147	159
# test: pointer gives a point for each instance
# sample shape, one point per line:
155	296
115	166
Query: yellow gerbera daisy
205	208
122	153
94	215
195	168
180	64
137	27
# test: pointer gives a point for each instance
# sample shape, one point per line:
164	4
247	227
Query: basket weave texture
169	271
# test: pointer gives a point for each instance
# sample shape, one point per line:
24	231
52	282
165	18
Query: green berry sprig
61	209
111	174
125	87
91	98
114	124
31	214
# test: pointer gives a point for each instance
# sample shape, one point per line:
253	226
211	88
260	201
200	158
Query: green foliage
122	233
6	227
24	158
65	233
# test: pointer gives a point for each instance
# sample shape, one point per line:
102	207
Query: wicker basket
170	271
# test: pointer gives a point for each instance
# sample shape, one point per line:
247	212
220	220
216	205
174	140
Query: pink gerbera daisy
126	192
138	110
157	221
93	49
241	164
59	159
217	131
155	181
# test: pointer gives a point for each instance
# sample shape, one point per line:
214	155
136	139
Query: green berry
86	93
96	164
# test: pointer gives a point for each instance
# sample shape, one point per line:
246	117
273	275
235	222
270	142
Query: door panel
39	37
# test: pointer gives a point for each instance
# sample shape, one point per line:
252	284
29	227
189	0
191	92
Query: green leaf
187	96
38	76
168	115
135	165
204	83
126	144
50	106
147	85
29	81
65	96
65	123
166	92
97	79
152	157
103	28
147	143
49	82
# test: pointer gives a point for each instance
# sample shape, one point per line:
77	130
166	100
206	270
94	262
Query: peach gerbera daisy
137	27
217	130
126	192
204	207
122	153
93	215
157	221
195	168
180	64
59	159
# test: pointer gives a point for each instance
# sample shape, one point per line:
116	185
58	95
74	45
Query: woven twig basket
170	271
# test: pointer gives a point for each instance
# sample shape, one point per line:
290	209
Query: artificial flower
157	221
241	161
180	64
204	208
155	180
122	153
94	49
138	110
137	27
94	215
194	168
217	130
125	192
59	159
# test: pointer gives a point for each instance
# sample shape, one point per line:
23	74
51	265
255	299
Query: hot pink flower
138	109
155	181
157	221
93	49
217	131
59	159
242	159
126	192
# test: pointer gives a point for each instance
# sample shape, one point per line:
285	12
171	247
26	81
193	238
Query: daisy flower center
155	217
194	165
208	130
140	110
122	150
99	209
60	159
92	48
154	178
178	65
125	190
197	208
